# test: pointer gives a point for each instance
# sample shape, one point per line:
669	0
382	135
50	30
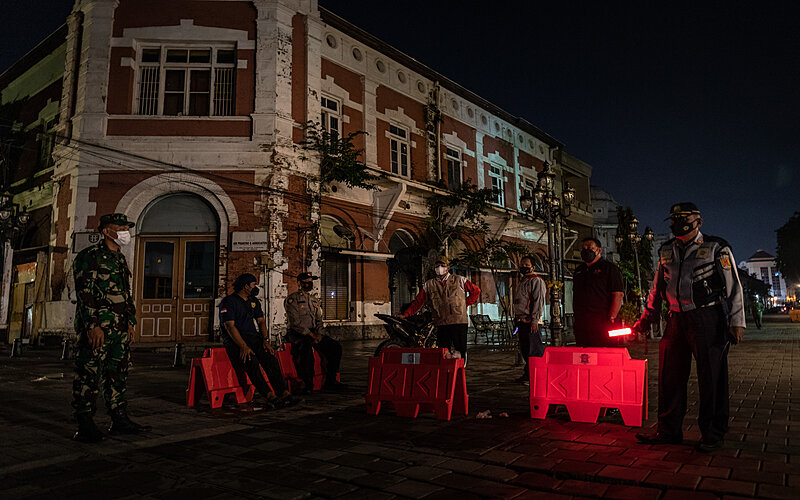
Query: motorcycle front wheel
388	343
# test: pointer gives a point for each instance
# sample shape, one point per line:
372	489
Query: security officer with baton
697	278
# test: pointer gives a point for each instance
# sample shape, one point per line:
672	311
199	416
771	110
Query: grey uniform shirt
701	273
529	297
303	312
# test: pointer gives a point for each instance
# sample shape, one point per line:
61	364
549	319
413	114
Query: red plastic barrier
214	374
289	371
588	379
410	379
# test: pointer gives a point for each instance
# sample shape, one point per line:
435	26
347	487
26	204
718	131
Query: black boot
121	424
87	431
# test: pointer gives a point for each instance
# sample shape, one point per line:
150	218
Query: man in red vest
448	296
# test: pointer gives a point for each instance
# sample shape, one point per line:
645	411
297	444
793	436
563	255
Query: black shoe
285	402
121	424
87	431
706	446
659	438
335	386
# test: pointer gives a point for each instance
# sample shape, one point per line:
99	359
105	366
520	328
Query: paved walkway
328	447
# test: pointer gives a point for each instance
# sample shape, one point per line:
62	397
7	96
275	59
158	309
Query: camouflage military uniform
103	285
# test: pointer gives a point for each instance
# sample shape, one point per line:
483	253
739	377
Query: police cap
306	276
683	209
116	219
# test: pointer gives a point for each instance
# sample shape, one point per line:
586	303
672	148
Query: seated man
246	348
305	332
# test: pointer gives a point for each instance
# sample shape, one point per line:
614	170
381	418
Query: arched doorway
335	268
176	272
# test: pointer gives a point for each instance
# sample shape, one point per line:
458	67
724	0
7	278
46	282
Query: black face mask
525	270
588	255
307	287
680	226
254	291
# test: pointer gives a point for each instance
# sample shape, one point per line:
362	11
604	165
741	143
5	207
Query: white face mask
441	270
123	238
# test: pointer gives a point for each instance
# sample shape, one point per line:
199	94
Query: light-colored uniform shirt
303	312
529	297
701	273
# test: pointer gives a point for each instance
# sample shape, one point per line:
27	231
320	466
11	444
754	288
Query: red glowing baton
619	332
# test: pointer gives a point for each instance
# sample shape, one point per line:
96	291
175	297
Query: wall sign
249	241
82	240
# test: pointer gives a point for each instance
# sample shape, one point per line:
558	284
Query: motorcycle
417	331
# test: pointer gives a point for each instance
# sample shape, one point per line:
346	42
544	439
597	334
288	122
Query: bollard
66	349
177	360
16	348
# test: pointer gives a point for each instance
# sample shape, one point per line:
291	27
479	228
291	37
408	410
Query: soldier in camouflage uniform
104	320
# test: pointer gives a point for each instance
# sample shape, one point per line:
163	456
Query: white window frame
496	175
163	66
329	114
455	155
396	143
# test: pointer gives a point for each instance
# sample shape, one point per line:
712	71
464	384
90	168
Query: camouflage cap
117	219
442	259
683	209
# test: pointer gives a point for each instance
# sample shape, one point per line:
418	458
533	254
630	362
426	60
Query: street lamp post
12	224
632	235
548	206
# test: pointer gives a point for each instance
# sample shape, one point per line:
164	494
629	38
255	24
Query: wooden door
198	270
157	280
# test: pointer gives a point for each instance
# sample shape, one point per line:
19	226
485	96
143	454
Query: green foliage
627	263
788	259
494	254
468	198
339	158
629	313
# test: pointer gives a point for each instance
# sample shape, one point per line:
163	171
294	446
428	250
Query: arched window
400	239
334	234
179	213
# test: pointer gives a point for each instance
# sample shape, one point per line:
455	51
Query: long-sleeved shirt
529	297
697	274
103	287
446	308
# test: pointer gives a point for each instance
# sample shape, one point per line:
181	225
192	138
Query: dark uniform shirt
593	287
303	312
243	313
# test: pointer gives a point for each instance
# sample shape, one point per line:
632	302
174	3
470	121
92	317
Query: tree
634	290
455	214
789	249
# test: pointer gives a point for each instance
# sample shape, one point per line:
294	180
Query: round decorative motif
470	112
520	138
483	119
421	87
454	105
357	55
401	76
530	143
331	41
380	65
497	127
541	148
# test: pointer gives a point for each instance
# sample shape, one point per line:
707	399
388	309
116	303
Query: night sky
679	102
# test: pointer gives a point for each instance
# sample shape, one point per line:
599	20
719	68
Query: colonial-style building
188	116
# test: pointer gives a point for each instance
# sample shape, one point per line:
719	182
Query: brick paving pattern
329	447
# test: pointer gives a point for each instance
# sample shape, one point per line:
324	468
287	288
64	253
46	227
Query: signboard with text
249	241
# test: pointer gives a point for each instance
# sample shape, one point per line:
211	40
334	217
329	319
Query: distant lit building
604	210
762	265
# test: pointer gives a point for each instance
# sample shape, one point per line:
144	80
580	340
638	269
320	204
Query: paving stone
585	488
660	465
478	486
495	472
424	473
627	492
706	471
667	480
625	473
745	488
413	489
688	495
774	491
575	467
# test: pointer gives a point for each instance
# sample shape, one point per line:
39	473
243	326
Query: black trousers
251	367
452	337
700	333
530	343
303	356
591	330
